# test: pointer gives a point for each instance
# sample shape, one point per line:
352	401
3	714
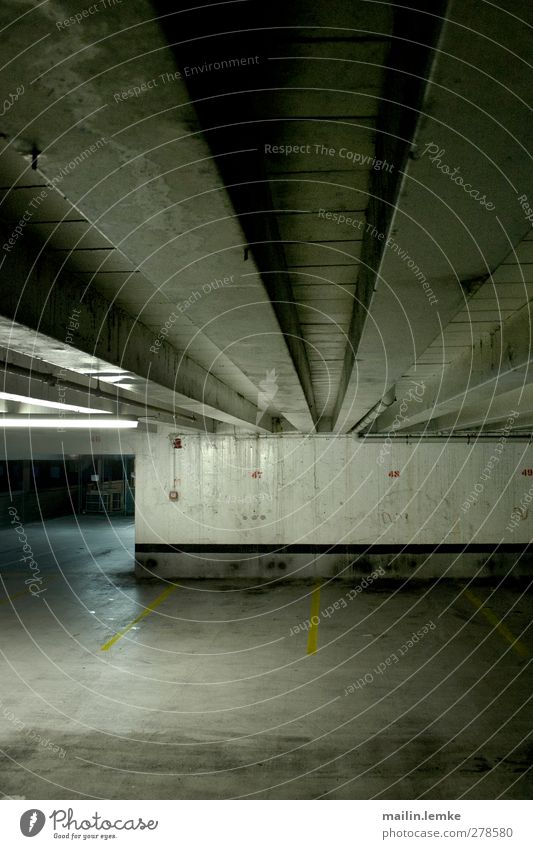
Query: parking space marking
146	612
27	591
312	639
502	629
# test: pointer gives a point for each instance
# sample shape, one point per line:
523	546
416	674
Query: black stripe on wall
426	548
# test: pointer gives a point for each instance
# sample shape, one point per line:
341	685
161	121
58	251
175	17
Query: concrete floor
209	695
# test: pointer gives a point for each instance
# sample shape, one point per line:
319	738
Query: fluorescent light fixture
65	423
111	378
53	405
102	371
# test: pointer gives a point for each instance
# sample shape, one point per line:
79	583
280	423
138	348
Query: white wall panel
330	490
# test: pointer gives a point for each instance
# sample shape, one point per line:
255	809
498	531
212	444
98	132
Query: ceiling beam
227	113
488	416
37	311
405	85
33	384
498	362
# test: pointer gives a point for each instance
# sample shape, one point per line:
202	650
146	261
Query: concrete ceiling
185	178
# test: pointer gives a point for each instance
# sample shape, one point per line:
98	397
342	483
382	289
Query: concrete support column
293	507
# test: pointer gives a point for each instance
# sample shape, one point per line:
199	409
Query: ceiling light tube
66	423
53	405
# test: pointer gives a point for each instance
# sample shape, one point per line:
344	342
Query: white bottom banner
236	824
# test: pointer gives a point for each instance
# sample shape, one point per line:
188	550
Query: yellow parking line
10	598
147	610
15	595
312	639
502	629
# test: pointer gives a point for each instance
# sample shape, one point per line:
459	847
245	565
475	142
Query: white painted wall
330	490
